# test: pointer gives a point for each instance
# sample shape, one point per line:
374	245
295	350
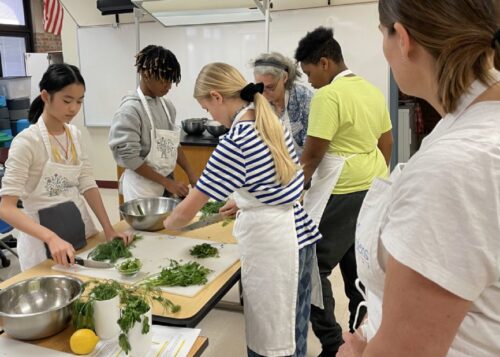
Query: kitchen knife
203	222
87	263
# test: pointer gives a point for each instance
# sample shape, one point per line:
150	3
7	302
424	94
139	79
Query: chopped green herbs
129	266
204	250
176	274
112	250
211	208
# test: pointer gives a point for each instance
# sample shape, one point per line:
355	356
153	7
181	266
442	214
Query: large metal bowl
194	126
215	128
38	307
154	209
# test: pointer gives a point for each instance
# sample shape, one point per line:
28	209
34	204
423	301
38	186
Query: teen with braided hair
143	136
256	160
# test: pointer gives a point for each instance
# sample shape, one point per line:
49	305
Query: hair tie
496	38
248	91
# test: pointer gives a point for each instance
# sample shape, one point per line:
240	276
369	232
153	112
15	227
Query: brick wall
44	42
47	42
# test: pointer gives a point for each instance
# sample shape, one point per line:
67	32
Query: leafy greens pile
177	274
204	250
112	250
211	208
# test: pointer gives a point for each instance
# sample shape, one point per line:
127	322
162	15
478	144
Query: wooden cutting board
155	251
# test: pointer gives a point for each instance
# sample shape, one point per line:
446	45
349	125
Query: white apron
58	183
323	181
373	216
269	272
162	157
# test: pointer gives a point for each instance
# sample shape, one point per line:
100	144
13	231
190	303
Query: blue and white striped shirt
243	161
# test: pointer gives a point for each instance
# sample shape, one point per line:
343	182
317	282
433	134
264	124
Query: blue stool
4	229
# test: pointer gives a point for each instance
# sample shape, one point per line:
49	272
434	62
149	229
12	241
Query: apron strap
72	140
342	74
148	109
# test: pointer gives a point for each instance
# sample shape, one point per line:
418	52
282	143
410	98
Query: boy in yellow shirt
349	143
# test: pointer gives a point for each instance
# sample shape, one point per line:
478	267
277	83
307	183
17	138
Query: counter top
205	139
193	309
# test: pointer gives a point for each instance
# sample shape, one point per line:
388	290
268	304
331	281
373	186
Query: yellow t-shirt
352	114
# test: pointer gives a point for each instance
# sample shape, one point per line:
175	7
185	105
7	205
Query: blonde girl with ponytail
256	163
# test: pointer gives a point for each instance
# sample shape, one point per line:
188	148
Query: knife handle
79	261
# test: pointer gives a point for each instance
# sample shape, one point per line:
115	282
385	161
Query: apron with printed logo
269	259
162	157
58	183
373	215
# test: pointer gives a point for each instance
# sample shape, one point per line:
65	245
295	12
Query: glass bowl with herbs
129	267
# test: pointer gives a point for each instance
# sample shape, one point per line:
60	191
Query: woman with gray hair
288	97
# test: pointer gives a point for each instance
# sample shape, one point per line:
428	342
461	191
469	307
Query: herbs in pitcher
135	301
204	250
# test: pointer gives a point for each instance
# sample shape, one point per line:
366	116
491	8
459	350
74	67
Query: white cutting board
155	251
10	347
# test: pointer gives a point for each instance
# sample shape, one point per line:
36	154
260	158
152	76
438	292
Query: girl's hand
127	237
62	252
229	209
354	345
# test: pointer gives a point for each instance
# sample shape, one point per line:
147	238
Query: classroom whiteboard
107	53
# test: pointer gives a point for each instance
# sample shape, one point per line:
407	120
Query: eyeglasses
271	87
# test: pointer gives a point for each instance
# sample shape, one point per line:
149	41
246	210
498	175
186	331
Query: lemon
83	341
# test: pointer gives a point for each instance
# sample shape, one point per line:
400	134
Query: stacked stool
14	106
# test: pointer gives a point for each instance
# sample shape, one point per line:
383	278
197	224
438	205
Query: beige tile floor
224	329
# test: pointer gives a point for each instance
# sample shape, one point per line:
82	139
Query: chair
7	242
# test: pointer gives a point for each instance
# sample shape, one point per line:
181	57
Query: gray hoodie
129	135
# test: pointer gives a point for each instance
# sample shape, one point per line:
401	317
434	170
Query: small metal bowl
38	307
215	128
154	211
194	126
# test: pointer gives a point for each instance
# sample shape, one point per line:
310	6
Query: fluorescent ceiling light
175	13
178	18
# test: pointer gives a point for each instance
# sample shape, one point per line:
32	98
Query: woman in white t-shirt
428	239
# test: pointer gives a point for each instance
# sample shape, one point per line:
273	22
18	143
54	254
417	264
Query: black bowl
194	126
215	128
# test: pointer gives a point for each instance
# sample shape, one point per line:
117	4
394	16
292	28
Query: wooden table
60	342
193	309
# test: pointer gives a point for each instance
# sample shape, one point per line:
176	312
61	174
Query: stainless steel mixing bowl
194	126
154	209
215	128
38	307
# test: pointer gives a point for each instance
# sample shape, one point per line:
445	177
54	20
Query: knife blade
203	222
93	264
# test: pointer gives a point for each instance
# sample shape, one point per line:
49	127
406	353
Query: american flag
52	16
